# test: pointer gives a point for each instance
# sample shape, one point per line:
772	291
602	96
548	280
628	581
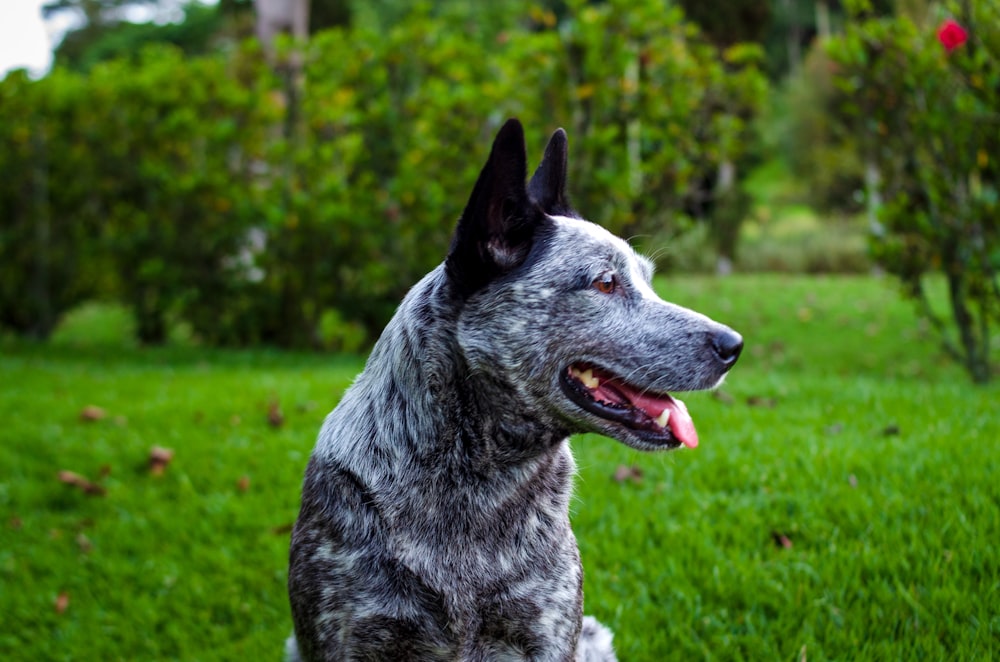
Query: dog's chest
488	533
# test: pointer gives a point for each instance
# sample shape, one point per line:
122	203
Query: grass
842	504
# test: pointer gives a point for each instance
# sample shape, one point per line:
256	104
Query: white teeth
588	379
663	418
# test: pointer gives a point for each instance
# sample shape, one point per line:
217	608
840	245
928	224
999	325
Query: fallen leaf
274	416
76	480
283	529
159	458
762	401
92	413
83	542
243	484
781	540
723	397
623	473
62	602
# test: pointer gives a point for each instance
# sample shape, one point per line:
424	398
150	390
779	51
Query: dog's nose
727	345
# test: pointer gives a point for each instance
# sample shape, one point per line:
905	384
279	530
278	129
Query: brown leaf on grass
83	542
159	458
623	473
283	529
274	416
92	413
762	401
78	481
62	602
243	484
723	397
781	540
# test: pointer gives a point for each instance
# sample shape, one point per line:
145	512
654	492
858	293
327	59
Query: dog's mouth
658	418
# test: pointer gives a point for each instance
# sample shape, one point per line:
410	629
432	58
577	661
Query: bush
213	191
927	114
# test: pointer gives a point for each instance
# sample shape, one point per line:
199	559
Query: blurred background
279	172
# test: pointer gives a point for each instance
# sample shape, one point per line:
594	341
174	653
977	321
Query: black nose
727	345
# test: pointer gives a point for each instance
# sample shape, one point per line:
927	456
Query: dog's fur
434	521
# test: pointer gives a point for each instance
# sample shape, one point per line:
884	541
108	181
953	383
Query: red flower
952	35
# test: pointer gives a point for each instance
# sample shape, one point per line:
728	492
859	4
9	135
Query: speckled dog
434	521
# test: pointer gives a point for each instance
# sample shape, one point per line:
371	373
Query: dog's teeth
588	379
663	418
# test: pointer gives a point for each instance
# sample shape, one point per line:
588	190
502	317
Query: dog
435	507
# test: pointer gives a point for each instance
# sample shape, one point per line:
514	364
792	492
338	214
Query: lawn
843	503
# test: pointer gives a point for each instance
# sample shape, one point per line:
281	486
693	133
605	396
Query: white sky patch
27	40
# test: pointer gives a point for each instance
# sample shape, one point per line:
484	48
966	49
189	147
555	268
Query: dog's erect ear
496	229
547	187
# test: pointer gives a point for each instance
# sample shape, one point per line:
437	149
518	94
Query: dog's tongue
680	423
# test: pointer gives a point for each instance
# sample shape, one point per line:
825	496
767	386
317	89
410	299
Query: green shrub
211	191
926	115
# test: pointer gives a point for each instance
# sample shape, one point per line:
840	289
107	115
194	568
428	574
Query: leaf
83	542
159	458
781	540
623	473
62	602
723	397
78	481
762	401
274	416
92	413
243	484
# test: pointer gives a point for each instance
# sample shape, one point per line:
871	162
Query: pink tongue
680	423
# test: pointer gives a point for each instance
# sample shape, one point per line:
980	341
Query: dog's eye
605	283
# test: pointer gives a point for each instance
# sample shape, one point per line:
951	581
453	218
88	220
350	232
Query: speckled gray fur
434	521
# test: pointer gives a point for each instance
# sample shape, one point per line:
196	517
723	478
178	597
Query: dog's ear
497	227
547	187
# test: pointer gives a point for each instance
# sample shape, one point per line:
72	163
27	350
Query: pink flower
952	35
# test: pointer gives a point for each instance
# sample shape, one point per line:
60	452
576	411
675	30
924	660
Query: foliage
50	259
219	193
837	448
929	118
84	48
817	141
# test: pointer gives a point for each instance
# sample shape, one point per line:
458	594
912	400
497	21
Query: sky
24	37
27	41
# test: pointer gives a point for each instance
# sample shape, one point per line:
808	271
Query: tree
926	115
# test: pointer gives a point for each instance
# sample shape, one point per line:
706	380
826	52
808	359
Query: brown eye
605	283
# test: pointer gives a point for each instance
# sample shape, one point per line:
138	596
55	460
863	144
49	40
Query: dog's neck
417	392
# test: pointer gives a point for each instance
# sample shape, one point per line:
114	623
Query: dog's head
562	313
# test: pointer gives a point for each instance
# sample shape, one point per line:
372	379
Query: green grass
841	429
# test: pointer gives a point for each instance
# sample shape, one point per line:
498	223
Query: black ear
547	187
496	229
